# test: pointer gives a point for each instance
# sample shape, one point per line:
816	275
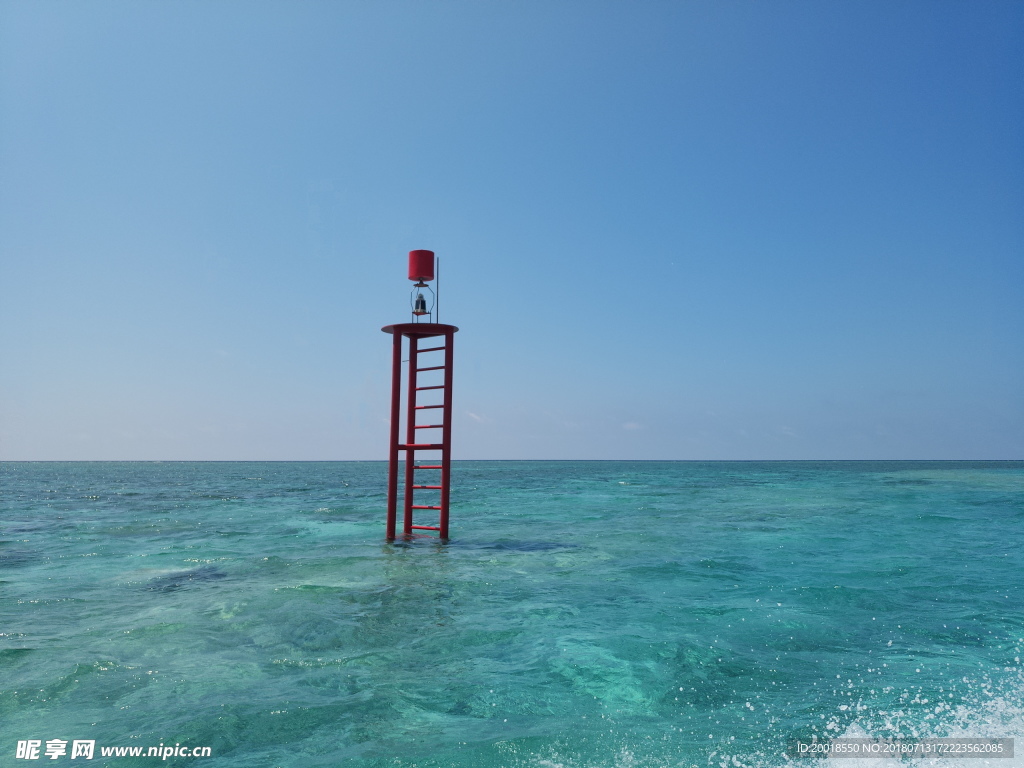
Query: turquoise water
584	614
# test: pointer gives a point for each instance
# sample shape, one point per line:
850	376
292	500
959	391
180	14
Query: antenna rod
437	289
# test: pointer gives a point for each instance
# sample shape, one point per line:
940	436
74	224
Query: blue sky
667	230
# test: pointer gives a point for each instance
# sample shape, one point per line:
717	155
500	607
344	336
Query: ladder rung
426	527
420	446
431	368
424	506
431	487
436	386
428	426
422	407
428	466
432	349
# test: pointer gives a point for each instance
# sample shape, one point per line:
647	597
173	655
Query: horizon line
384	461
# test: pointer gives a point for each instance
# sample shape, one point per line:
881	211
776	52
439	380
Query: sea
584	614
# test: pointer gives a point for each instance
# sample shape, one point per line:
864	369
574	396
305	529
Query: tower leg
410	430
396	401
446	434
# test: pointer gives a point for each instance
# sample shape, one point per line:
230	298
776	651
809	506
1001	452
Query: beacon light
421	269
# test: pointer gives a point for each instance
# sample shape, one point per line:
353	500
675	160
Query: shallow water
590	614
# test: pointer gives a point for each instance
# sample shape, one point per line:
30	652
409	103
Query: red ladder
414	446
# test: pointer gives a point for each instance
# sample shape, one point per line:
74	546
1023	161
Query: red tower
427	446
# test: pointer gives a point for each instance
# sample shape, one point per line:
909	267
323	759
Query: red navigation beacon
421	269
427	446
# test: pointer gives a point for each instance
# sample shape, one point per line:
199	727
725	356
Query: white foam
991	712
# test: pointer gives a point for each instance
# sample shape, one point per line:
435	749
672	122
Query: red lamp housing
421	265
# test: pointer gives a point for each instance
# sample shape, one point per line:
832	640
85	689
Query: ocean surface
583	615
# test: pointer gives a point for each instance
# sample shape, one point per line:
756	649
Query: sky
666	229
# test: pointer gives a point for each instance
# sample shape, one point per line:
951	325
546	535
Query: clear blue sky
679	230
